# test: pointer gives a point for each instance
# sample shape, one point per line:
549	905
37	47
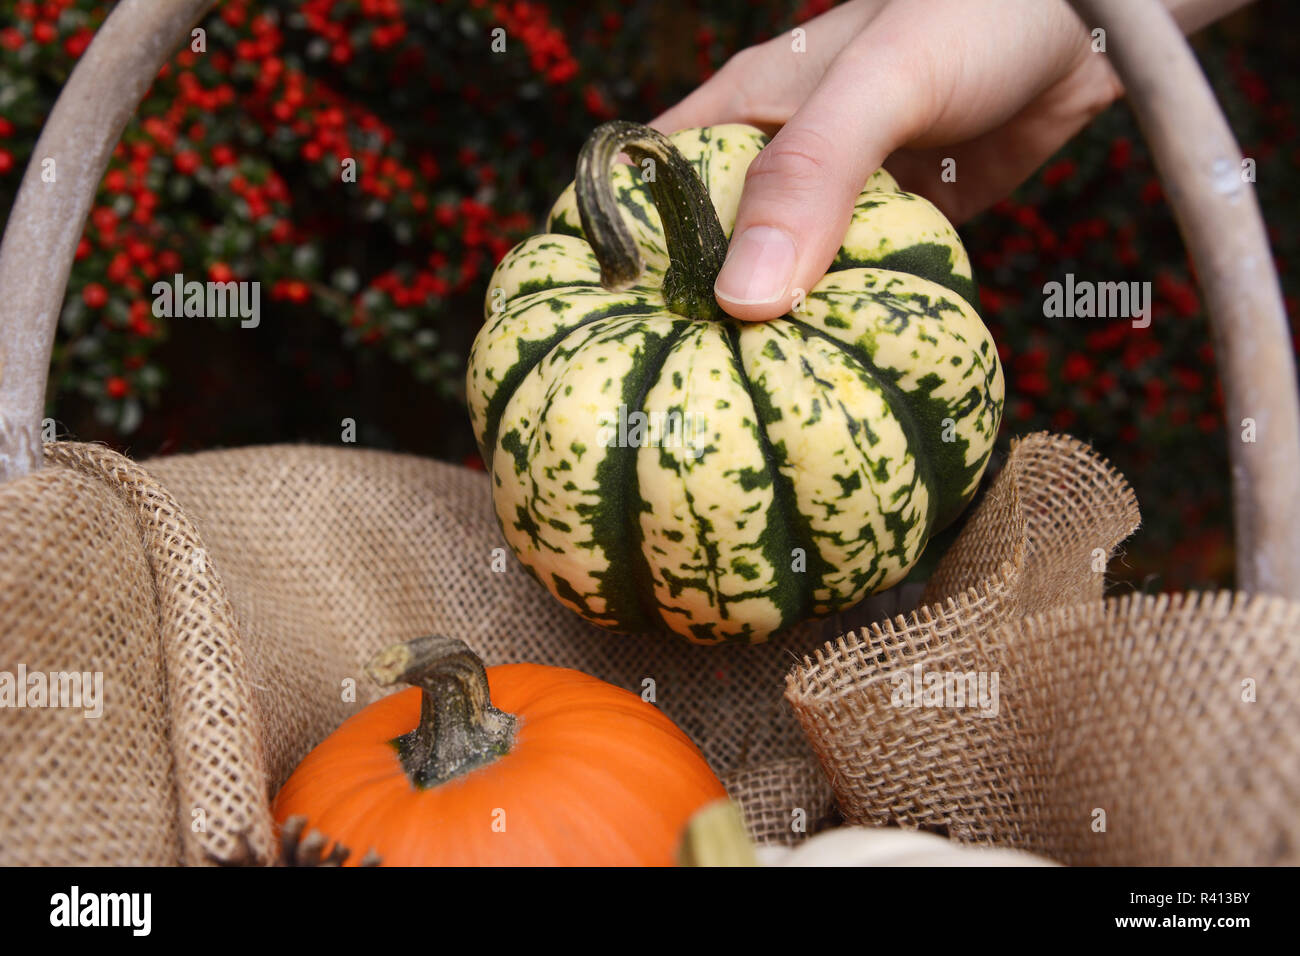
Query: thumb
801	189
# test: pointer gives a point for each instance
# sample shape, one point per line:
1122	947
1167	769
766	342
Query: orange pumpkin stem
459	729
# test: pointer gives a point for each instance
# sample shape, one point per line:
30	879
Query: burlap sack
1136	731
230	599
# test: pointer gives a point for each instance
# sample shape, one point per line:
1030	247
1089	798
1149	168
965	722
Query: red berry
95	295
138	251
104	219
117	387
1121	151
119	270
1034	383
1059	172
187	162
1076	368
76	44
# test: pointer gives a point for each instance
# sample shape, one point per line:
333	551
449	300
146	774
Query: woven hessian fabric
231	597
1139	730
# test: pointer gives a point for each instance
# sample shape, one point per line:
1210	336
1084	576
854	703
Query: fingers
764	84
925	73
801	189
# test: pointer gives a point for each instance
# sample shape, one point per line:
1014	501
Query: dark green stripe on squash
929	260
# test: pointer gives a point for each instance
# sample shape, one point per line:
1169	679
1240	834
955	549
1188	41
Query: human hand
995	85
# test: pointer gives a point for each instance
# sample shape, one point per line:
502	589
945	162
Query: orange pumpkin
571	770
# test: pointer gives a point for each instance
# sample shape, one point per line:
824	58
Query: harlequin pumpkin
659	465
569	771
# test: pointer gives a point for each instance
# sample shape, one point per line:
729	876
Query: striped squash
660	466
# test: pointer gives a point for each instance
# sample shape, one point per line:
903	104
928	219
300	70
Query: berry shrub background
372	291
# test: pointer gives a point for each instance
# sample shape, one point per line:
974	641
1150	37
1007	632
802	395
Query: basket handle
48	219
1200	164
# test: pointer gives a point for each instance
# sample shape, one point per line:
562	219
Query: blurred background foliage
372	291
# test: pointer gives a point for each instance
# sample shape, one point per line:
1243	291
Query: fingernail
759	267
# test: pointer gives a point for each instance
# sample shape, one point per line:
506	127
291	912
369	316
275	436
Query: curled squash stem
697	245
459	729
